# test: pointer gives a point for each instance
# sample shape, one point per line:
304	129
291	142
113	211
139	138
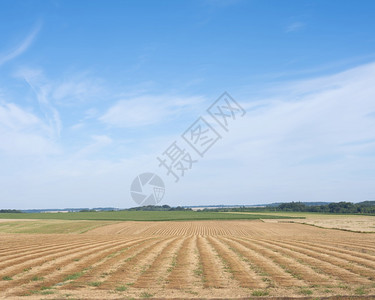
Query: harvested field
355	223
195	259
350	223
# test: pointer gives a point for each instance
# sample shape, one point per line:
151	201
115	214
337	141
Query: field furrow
358	249
289	264
55	271
155	275
323	262
210	266
258	258
188	259
135	265
237	267
182	269
12	258
350	256
334	258
99	271
16	266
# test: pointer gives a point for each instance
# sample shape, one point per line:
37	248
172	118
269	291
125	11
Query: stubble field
186	259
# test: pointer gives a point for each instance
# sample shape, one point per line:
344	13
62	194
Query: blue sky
92	92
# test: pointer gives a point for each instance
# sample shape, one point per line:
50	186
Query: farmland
139	216
354	222
182	259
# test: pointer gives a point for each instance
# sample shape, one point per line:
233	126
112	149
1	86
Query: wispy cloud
98	142
72	90
312	140
148	110
222	3
22	47
295	26
76	87
42	89
23	133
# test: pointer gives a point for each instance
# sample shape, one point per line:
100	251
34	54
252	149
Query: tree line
9	211
157	208
367	207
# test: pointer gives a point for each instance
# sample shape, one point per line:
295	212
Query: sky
95	93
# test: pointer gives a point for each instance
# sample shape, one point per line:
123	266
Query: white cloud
23	133
311	140
42	89
314	140
88	114
22	47
98	143
222	3
295	26
78	126
14	118
148	110
76	88
71	90
91	113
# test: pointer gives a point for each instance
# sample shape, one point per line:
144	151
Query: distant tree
293	206
8	211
